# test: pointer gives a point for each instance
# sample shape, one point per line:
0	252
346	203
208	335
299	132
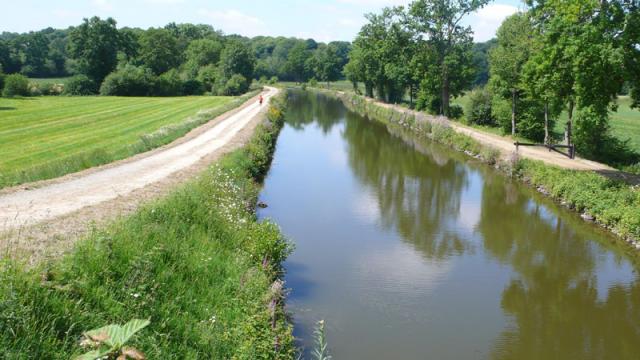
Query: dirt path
506	146
45	219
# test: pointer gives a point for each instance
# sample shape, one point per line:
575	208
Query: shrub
478	109
273	80
129	80
207	76
53	89
262	80
313	82
529	117
236	85
2	75
80	85
593	139
168	84
16	85
35	89
192	87
455	111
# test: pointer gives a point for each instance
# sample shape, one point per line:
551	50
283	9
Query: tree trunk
445	95
411	96
513	112
569	123
546	122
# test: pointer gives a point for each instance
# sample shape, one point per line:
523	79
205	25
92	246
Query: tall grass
86	134
197	264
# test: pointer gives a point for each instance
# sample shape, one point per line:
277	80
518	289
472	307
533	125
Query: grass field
40	81
44	137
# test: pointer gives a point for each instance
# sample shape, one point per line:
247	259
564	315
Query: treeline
572	57
178	59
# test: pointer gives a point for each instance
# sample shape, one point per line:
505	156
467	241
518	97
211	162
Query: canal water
408	250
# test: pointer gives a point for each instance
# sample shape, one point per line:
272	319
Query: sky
322	20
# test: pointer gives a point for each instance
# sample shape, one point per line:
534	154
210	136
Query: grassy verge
47	137
613	204
197	264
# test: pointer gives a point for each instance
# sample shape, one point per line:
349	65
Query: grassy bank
197	264
46	137
613	204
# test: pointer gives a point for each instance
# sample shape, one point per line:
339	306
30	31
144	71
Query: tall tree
94	44
237	58
439	23
507	59
159	50
296	63
588	49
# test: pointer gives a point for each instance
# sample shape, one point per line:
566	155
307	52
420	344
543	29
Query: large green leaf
116	336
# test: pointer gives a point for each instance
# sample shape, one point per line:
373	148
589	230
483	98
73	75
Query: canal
409	250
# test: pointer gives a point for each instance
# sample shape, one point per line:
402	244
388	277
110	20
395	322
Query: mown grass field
40	81
44	137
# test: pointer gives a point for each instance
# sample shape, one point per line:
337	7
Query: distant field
39	134
62	80
625	123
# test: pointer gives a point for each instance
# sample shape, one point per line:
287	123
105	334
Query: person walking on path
261	99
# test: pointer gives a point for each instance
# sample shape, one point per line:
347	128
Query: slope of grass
197	264
46	137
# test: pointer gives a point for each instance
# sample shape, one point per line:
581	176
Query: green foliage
202	52
273	80
478	110
80	85
110	340
237	58
16	85
236	85
593	139
197	263
129	80
95	44
159	50
169	84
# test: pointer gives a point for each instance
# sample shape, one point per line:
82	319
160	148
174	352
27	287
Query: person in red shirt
261	99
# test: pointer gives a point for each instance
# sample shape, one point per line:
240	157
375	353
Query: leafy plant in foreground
110	341
321	351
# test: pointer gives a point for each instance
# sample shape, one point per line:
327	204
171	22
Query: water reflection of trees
306	107
416	195
554	298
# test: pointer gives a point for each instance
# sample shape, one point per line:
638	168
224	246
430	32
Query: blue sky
322	20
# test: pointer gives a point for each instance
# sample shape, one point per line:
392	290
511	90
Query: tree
588	49
327	64
296	64
507	59
94	44
159	50
237	58
438	23
202	52
35	48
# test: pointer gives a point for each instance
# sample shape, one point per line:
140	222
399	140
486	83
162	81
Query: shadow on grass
6	108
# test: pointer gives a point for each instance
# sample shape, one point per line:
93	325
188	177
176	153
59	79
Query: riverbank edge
612	204
97	157
197	263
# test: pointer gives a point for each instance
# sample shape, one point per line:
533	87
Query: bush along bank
613	204
97	157
197	264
